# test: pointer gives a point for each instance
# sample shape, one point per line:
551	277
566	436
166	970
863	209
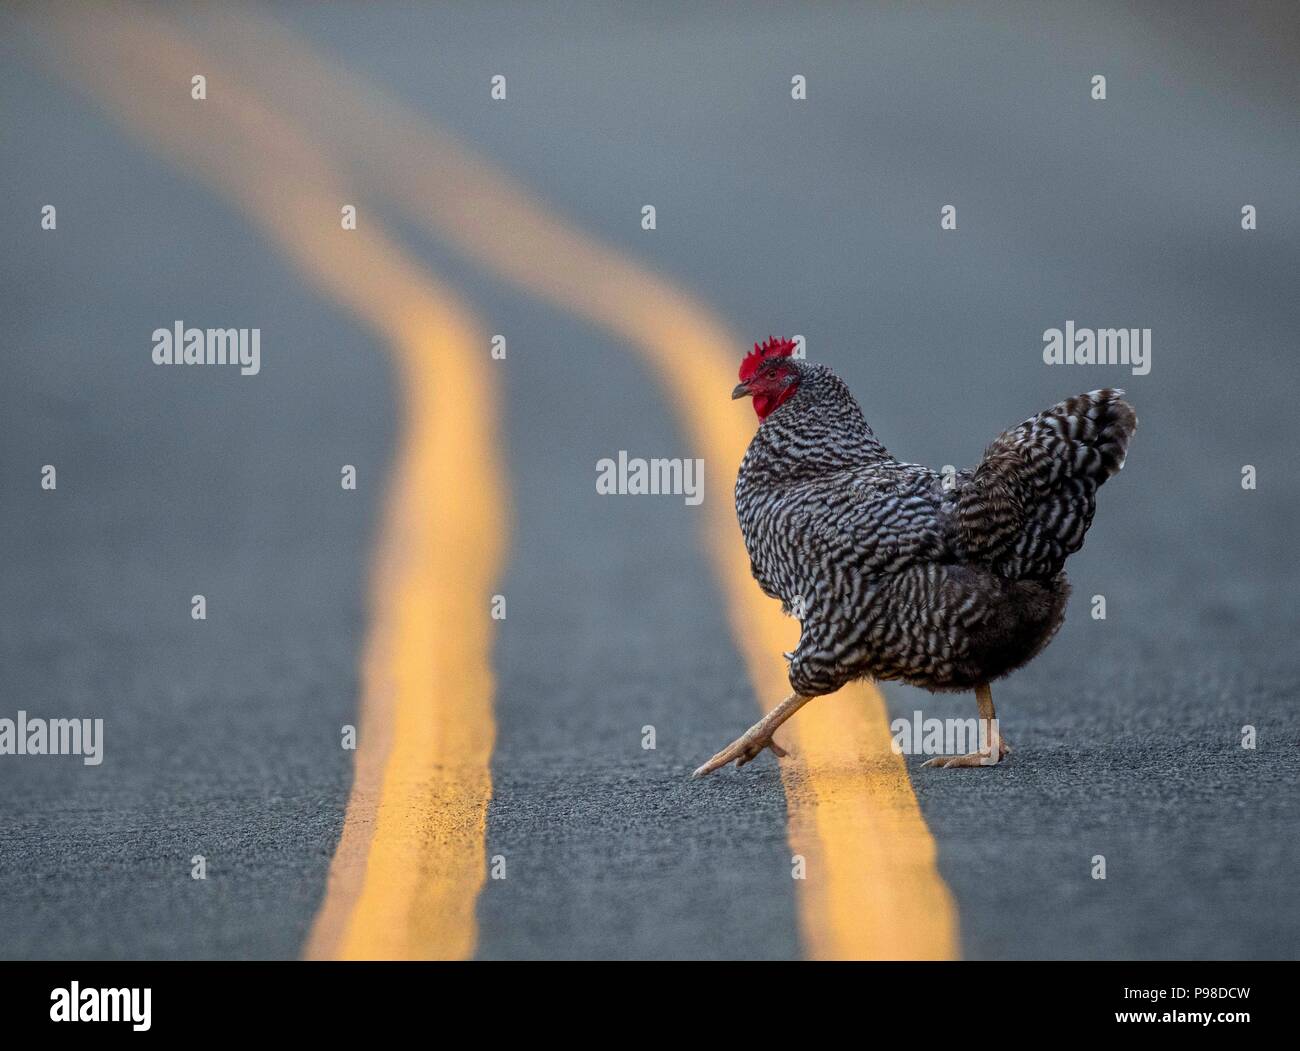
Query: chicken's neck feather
819	429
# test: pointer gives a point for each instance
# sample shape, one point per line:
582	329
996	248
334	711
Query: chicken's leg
757	737
988	725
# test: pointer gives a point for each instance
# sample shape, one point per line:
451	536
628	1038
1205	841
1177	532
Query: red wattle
766	404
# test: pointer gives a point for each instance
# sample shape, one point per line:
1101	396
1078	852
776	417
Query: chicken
895	575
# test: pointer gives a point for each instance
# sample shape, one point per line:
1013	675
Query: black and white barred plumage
892	574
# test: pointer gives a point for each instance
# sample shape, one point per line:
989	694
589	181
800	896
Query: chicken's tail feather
1028	504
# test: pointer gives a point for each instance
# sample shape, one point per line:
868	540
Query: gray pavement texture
819	218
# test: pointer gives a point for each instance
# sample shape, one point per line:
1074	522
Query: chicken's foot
757	737
995	748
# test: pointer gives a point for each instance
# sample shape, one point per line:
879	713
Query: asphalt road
816	217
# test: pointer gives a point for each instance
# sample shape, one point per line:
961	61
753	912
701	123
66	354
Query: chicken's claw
757	737
949	762
742	750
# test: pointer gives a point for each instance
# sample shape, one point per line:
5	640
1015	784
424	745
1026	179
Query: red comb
773	348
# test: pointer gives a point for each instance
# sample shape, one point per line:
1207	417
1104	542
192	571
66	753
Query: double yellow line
410	862
409	865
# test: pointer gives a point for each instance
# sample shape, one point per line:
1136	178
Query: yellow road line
873	888
406	876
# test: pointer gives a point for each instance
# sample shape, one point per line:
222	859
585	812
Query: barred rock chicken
893	574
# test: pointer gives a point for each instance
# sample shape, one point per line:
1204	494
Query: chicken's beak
742	391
